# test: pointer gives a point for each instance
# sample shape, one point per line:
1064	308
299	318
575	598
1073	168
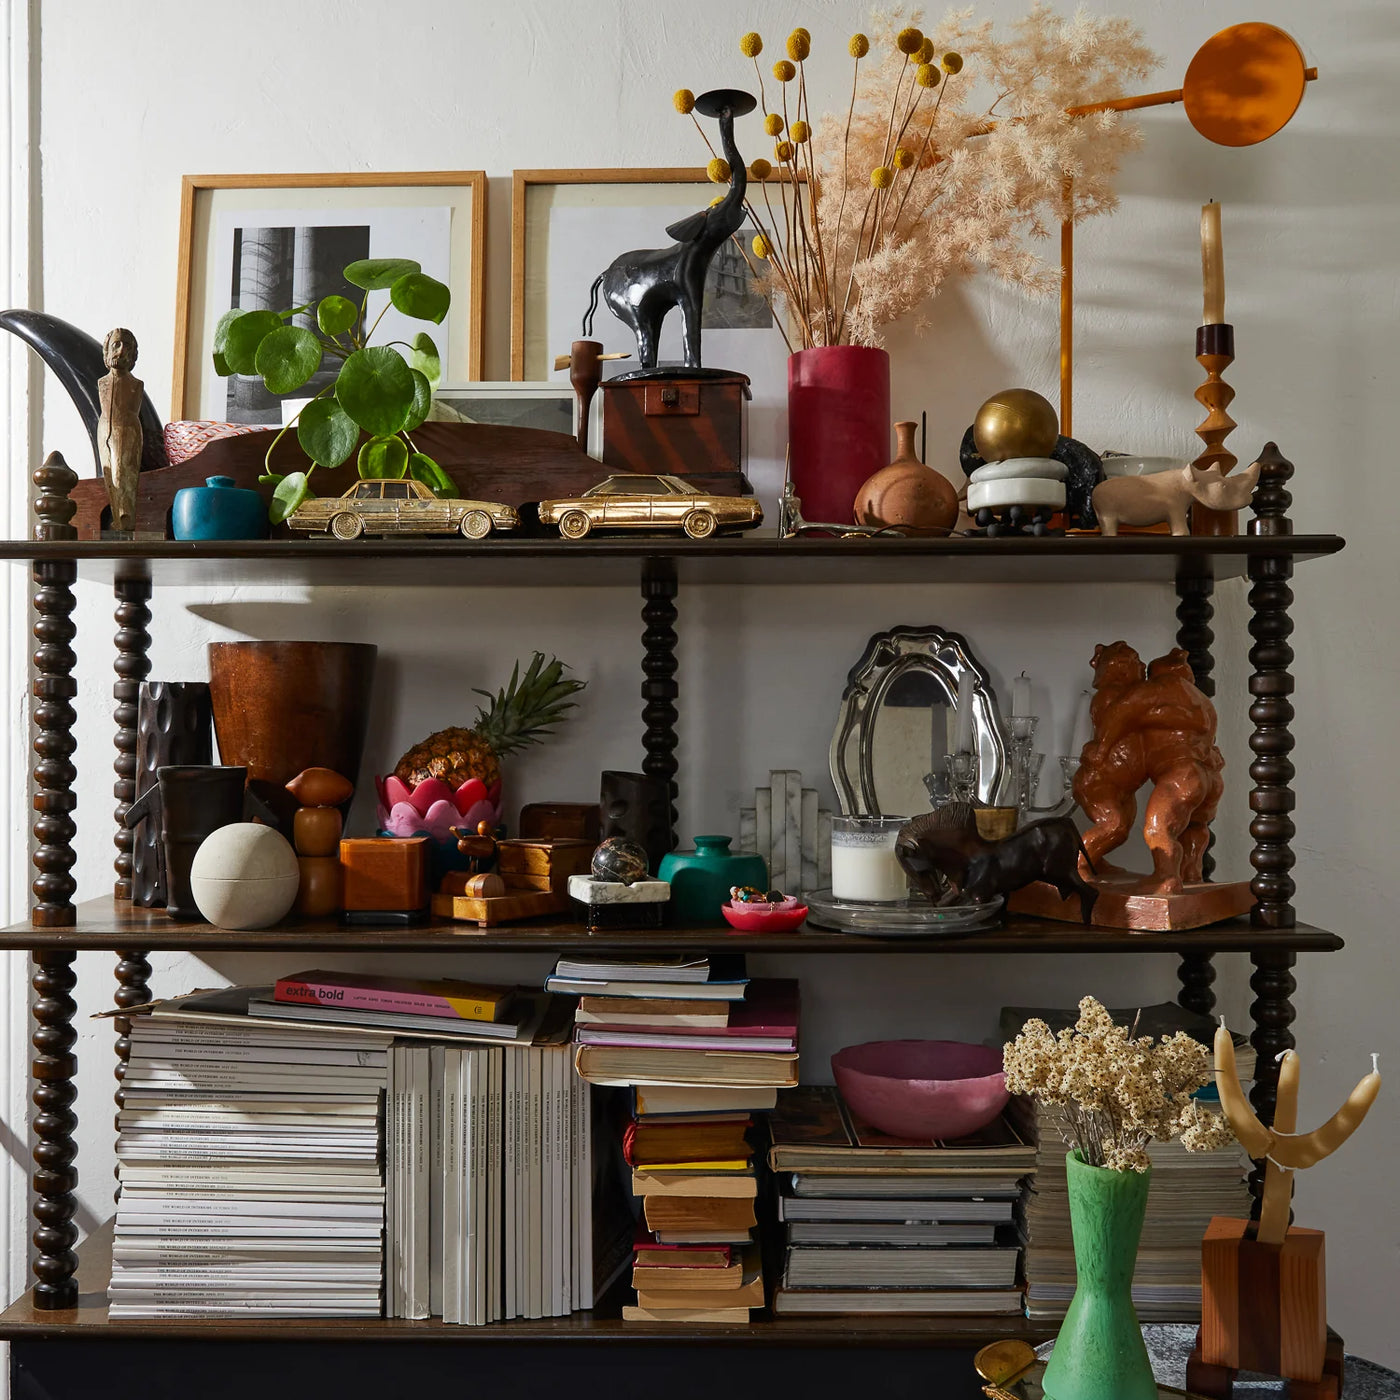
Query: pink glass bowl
759	917
922	1089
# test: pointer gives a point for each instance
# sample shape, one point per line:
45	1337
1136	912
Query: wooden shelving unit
67	1305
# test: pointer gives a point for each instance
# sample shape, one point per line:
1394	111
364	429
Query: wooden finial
1272	497
53	509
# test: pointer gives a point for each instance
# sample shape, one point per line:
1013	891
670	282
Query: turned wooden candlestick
1215	352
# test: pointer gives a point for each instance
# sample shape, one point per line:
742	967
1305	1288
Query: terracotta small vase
908	493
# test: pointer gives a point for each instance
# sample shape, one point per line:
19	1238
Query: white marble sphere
245	876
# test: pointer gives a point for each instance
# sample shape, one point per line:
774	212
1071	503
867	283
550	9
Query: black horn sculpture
641	287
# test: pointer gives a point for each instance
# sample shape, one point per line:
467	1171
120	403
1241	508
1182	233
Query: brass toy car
405	507
648	503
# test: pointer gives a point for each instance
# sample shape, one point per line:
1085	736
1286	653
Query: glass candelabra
1025	766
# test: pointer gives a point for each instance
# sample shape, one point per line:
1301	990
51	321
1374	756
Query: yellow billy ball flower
683	101
783	71
718	199
800	132
927	76
859	46
718	170
908	41
751	45
782	151
805	33
903	157
952	63
882	177
761	246
799	45
925	53
773	124
760	169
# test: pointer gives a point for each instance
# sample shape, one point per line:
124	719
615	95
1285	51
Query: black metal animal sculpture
76	358
642	286
948	861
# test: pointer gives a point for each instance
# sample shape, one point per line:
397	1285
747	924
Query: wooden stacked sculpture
1263	1287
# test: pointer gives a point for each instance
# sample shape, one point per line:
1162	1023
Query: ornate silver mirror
899	720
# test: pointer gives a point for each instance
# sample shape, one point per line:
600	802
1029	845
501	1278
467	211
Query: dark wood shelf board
22	1321
740	559
104	924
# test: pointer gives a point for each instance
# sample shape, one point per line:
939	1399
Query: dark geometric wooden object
133	664
54	689
1215	351
683	427
659	688
55	1176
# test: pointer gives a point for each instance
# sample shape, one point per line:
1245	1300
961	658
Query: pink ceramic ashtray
765	918
922	1089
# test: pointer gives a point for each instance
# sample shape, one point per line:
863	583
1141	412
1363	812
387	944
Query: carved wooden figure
1169	496
1263	1288
119	436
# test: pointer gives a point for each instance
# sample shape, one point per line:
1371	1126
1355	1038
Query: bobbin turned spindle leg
132	665
133	989
1272	1013
659	689
55	1176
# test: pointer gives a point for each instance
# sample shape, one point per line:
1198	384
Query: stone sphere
245	876
1016	423
620	861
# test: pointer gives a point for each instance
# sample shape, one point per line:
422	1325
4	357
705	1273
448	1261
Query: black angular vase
174	727
638	807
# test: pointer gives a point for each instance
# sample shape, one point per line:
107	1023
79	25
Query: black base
1014	520
608	918
663	372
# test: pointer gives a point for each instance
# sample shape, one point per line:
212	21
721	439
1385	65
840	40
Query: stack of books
703	1049
1188	1188
249	1162
877	1224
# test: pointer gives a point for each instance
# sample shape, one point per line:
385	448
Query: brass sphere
1016	423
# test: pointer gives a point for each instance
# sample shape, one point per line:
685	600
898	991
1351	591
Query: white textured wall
134	93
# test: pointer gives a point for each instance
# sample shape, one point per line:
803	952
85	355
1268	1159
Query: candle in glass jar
863	863
1212	266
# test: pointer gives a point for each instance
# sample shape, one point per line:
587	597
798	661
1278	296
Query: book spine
383	999
510	1157
495	1150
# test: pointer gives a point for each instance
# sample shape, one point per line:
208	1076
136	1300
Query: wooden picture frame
206	199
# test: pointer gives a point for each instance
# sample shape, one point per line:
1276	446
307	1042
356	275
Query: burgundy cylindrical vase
838	426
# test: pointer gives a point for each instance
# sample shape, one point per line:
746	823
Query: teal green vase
701	879
1099	1354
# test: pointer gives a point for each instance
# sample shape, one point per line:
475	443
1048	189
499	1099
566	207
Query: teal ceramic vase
218	510
701	879
1099	1354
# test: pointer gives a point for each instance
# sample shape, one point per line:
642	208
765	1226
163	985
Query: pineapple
519	715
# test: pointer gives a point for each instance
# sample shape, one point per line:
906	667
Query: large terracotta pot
838	426
280	707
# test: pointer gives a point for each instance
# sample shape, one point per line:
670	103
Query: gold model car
649	503
405	507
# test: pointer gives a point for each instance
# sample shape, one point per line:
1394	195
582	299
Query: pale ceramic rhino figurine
1149	500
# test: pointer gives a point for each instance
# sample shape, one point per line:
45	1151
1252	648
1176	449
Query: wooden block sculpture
1151	724
1264	1286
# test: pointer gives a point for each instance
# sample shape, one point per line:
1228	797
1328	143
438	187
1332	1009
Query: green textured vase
701	879
1099	1354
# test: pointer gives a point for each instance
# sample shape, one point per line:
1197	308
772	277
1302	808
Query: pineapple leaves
528	707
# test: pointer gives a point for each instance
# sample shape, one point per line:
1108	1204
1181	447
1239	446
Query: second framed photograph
275	242
568	225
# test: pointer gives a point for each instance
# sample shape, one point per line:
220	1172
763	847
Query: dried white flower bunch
1114	1094
955	149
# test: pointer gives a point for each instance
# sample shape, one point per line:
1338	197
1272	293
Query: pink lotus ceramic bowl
431	807
922	1089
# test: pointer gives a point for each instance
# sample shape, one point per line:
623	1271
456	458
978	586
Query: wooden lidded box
690	427
384	875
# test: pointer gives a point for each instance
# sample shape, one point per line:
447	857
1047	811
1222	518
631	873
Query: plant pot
701	879
218	510
281	707
1099	1353
838	426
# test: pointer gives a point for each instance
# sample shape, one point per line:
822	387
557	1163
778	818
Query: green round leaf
383	459
287	358
422	401
221	365
291	491
336	314
374	274
221	335
327	433
422	468
376	389
242	337
422	297
424	357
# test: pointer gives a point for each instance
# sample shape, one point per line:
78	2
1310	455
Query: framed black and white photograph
568	225
272	242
